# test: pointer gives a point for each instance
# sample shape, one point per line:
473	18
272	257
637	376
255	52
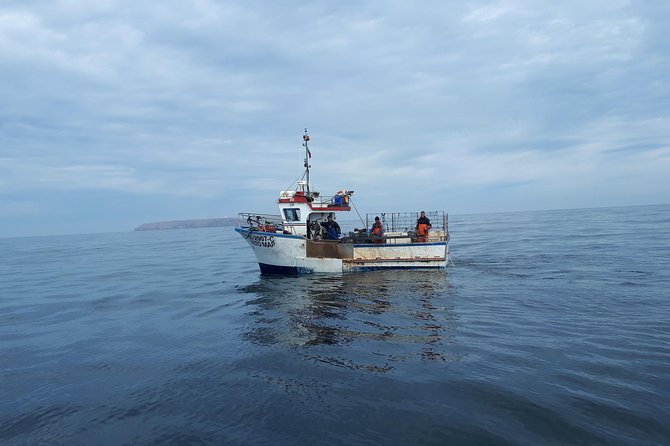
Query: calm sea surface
550	328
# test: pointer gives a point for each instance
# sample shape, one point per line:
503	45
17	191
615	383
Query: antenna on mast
308	155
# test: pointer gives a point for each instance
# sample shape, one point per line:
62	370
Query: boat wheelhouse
297	239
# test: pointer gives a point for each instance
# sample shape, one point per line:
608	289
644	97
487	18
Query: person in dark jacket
422	227
423	220
332	228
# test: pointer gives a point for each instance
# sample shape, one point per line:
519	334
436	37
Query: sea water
548	328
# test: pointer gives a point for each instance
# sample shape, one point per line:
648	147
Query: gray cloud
207	99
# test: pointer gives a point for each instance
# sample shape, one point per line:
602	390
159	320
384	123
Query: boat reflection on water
383	317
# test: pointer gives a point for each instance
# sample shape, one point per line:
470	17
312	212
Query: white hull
282	253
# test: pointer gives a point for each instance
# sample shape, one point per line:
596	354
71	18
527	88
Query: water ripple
172	337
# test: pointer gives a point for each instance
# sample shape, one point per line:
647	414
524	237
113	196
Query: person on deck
377	231
422	227
332	228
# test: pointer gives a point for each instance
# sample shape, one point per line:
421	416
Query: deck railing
403	224
406	221
399	227
260	222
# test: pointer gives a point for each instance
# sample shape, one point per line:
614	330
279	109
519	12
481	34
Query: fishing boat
305	237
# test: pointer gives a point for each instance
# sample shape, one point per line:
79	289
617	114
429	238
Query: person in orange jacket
377	230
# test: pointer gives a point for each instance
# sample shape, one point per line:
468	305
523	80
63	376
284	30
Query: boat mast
308	155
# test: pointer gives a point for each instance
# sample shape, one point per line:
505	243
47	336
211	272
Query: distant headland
188	224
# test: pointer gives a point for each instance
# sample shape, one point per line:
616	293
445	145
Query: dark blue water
551	328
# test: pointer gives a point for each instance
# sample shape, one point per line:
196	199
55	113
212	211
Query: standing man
422	227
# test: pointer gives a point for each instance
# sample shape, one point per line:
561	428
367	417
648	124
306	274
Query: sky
115	113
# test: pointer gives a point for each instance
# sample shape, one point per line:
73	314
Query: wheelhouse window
292	214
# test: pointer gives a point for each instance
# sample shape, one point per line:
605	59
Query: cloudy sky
116	112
